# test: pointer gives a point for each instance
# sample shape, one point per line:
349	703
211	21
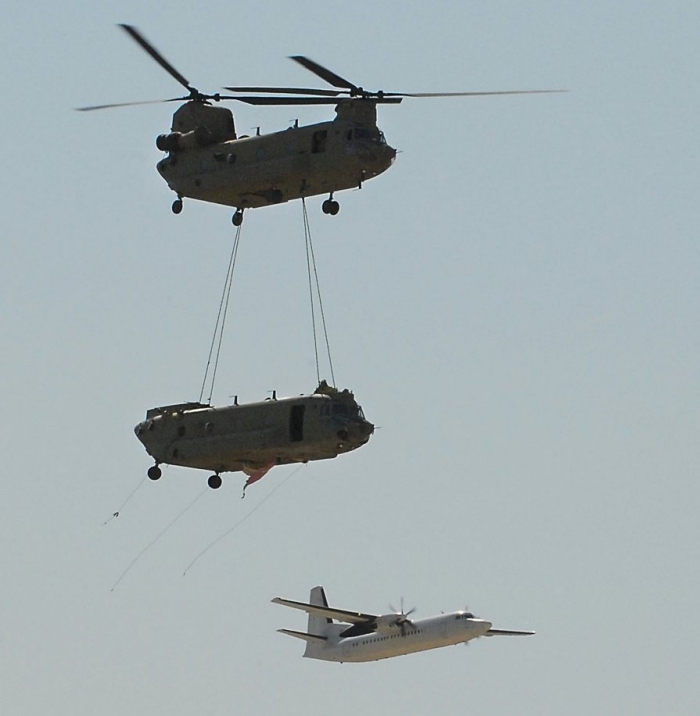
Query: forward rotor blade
128	104
325	74
468	94
310	100
286	90
148	47
287	100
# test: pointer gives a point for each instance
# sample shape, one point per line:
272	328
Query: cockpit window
340	409
362	133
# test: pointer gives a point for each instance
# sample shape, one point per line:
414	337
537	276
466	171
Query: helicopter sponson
253	437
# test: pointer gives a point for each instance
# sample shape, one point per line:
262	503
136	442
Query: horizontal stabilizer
311	638
340	615
507	632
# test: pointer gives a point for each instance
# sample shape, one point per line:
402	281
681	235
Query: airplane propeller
402	617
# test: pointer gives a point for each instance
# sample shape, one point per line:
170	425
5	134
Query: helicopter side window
318	142
348	136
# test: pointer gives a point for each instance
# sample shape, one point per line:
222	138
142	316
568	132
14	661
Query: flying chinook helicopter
206	160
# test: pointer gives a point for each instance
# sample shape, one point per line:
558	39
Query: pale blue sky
515	304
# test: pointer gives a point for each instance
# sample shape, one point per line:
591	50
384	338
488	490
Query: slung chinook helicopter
208	161
254	437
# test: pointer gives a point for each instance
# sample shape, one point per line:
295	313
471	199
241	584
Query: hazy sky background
515	304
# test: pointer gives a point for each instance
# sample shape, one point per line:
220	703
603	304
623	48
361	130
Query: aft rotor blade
286	90
128	104
148	47
325	74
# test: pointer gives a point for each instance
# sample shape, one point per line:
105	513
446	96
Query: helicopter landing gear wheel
237	218
177	206
214	482
154	472
330	206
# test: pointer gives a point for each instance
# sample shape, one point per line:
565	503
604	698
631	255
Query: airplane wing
507	632
340	615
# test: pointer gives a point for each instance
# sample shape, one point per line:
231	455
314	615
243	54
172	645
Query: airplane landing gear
330	206
237	218
154	472
214	481
177	206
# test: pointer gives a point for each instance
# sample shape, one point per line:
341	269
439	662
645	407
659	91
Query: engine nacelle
388	622
177	141
168	142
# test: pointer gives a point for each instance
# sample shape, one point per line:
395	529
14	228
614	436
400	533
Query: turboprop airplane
371	637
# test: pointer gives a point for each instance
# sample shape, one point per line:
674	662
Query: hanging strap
314	283
218	336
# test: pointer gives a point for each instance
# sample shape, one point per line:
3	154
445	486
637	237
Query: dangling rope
221	319
240	522
157	537
311	263
123	505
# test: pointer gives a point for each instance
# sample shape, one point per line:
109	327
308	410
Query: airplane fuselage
420	635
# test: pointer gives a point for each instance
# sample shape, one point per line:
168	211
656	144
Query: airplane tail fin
317	625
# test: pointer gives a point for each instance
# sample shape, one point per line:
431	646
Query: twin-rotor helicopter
207	160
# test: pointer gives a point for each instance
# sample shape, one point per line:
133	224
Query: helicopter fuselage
249	172
255	435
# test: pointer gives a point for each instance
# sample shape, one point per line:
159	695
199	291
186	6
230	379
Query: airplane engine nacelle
387	622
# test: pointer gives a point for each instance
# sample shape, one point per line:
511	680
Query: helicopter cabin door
296	423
